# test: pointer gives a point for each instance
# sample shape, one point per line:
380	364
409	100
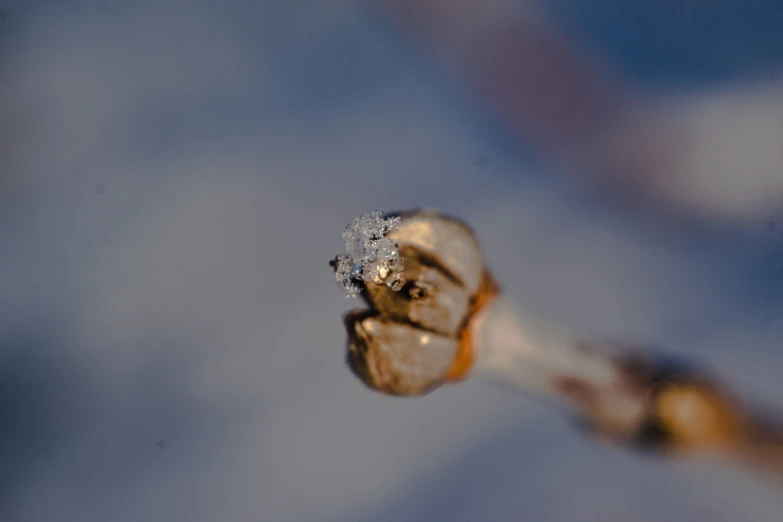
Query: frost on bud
370	256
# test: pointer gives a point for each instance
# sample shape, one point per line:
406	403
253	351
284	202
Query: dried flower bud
417	336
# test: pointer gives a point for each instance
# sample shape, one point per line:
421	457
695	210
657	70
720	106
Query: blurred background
174	179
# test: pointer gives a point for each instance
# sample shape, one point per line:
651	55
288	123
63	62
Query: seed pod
415	338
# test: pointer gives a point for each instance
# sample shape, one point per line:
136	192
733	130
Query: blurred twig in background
709	156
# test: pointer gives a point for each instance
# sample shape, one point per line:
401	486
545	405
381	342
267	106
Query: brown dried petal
397	358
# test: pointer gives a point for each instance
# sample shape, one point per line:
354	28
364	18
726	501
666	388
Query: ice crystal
370	256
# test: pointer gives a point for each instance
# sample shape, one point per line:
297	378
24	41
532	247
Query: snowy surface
173	180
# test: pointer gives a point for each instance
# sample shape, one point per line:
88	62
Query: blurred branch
537	81
589	123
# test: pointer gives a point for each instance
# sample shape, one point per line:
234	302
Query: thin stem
623	394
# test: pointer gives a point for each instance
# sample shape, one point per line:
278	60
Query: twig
449	322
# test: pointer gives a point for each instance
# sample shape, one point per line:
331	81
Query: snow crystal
370	256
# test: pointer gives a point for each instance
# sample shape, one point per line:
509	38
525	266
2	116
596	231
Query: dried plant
449	321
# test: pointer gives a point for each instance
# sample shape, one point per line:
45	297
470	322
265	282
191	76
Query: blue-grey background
174	177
